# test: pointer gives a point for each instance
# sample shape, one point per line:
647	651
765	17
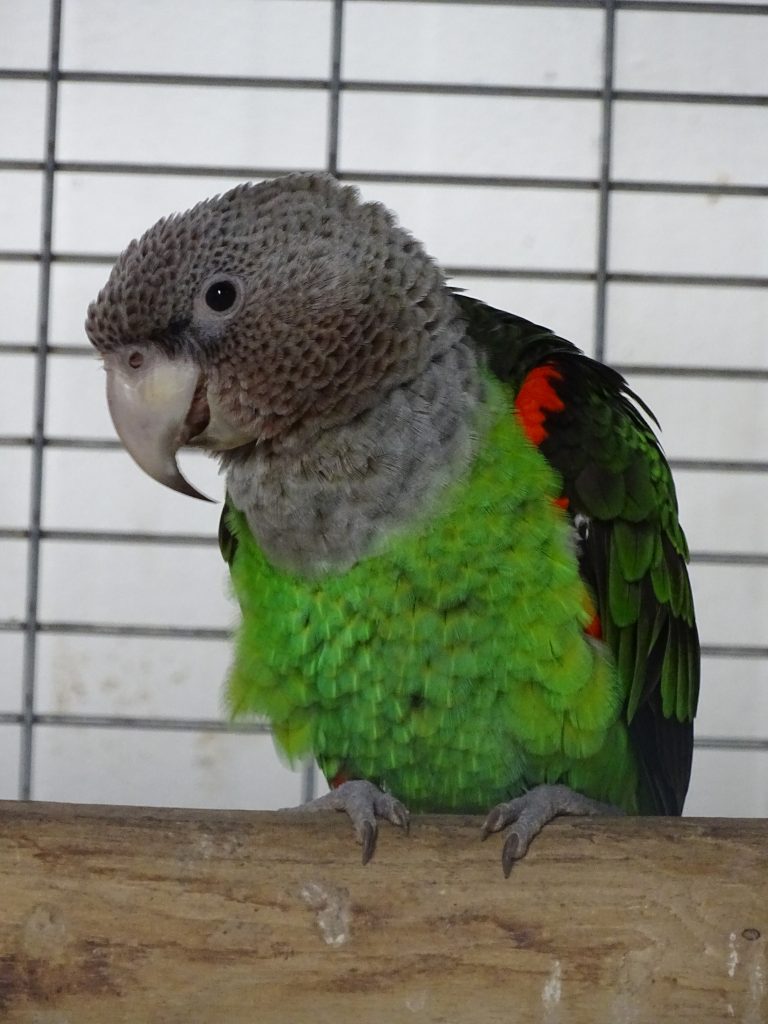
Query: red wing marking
535	399
594	628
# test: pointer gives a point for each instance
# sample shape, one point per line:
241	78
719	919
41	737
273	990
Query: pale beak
156	407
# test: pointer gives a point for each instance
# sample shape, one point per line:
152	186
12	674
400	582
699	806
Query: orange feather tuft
535	399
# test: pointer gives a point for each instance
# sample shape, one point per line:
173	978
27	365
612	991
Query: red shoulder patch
535	399
595	629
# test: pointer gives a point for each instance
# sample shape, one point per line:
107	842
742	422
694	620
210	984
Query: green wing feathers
618	488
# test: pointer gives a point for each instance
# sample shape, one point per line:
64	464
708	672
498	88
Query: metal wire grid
604	185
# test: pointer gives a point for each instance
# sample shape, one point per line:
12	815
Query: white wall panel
691	325
480	44
192	124
730	602
24	33
729	784
106	490
690	142
20	208
11	659
673	51
139	585
17	384
132	676
9	761
14	487
734	698
13	579
22	120
177	769
236	37
481	135
689	234
18	301
722	513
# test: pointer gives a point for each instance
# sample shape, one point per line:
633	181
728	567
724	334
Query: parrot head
262	316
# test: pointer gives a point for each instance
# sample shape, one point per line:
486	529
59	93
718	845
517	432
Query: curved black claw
364	803
528	814
370	835
511	852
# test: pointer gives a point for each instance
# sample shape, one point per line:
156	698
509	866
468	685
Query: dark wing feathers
227	539
633	550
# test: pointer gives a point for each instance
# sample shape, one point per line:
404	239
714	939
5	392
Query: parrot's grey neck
323	507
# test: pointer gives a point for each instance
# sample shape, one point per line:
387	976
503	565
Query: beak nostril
135	360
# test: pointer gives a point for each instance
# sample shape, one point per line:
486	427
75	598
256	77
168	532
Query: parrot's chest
440	665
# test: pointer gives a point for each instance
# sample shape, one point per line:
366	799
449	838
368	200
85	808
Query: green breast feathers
452	665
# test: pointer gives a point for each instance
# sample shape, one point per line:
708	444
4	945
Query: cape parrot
453	536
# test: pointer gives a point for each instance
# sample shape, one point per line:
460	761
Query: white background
251	129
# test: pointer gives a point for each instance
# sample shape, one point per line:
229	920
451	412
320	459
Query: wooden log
189	917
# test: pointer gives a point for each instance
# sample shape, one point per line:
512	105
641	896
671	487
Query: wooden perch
190	917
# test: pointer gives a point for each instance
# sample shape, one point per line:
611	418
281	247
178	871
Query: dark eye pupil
220	296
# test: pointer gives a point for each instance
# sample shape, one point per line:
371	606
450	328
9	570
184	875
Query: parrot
453	536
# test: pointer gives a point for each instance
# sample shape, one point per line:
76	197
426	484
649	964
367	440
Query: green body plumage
451	666
453	536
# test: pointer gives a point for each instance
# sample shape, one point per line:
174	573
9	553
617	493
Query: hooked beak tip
175	479
150	405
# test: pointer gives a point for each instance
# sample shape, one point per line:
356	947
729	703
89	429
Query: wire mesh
336	85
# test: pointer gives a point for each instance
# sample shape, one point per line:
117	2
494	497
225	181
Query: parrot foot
364	803
528	814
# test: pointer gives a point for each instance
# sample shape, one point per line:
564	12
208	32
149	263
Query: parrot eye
135	360
220	296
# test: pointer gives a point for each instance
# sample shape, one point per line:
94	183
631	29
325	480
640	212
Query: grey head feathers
310	342
335	301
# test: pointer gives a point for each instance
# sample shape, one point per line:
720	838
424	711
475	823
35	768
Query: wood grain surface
154	916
